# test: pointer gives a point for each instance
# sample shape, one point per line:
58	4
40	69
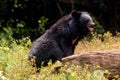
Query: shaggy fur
56	42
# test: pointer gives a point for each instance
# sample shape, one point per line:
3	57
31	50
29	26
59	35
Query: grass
14	64
109	43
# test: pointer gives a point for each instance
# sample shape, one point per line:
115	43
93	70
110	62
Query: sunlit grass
96	44
14	64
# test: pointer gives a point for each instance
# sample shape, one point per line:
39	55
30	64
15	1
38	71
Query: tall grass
109	42
14	64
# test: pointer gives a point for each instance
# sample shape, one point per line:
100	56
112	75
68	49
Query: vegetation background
21	18
22	21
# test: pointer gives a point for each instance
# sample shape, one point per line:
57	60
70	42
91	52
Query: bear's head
84	22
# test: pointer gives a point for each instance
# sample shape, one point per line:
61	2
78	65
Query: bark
108	60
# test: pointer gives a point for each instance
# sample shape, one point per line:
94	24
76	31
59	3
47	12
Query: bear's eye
86	21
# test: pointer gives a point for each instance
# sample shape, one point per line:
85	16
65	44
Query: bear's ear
75	14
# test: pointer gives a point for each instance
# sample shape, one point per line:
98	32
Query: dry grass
109	43
14	64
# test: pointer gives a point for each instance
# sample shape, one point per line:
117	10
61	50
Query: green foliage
20	31
6	33
42	21
98	28
69	75
101	3
14	63
13	58
24	17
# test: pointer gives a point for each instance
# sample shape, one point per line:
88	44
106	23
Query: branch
61	13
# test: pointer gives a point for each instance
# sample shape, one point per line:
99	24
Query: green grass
15	66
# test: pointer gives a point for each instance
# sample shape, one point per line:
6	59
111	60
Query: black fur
56	42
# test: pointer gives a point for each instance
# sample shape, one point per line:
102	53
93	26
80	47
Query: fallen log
108	60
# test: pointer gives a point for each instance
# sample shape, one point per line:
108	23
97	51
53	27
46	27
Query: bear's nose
91	27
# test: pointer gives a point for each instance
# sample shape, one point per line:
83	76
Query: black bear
57	42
